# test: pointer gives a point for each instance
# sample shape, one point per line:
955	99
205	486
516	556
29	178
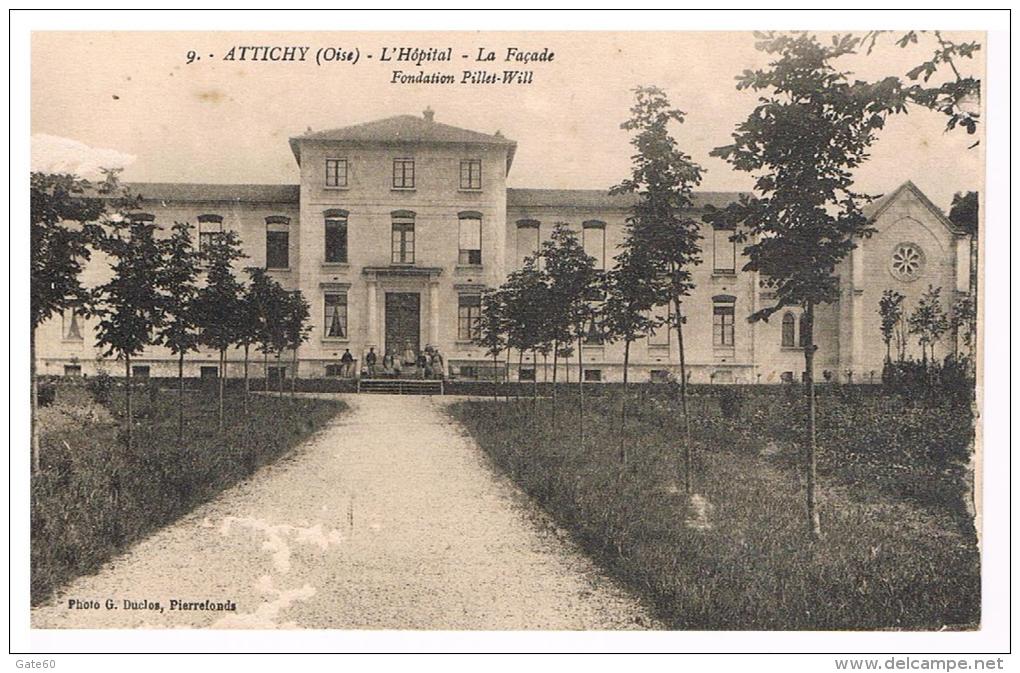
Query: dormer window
471	174
336	173
724	251
403	173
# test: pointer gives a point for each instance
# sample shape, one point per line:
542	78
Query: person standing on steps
370	359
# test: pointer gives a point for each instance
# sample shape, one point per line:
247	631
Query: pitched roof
405	129
599	199
193	192
874	209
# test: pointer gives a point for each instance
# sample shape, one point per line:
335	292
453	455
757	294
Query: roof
192	192
406	129
600	199
874	209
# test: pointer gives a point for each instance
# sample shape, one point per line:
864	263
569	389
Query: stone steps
401	386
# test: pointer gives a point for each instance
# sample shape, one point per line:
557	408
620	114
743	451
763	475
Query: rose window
907	261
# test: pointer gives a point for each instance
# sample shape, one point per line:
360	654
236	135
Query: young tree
809	131
296	329
65	212
890	311
572	278
630	296
491	333
963	316
217	305
132	304
178	285
661	229
264	297
252	319
928	322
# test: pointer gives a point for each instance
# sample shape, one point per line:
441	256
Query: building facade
399	225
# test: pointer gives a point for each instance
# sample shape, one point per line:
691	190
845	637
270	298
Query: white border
991	638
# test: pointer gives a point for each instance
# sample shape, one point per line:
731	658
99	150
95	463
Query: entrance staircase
401	386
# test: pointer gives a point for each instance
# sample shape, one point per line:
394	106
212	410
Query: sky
132	98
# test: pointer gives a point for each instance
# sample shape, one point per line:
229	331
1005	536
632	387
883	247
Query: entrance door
403	321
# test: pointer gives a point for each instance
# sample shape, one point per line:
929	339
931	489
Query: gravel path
390	518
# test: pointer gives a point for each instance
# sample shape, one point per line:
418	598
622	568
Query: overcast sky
132	96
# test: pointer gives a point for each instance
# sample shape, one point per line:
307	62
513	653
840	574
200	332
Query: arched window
335	223
141	217
789	330
210	230
527	240
470	238
402	238
722	320
277	242
805	330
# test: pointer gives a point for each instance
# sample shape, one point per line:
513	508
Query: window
209	372
471	174
725	251
805	330
722	376
593	375
334	370
403	237
659	376
789	330
470	238
335	318
336	172
527	240
72	370
722	325
468	372
140	371
336	236
660	335
403	173
210	230
276	373
469	312
72	325
907	262
277	242
526	374
594	241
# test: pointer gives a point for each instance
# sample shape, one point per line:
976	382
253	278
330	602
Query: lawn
93	497
898	552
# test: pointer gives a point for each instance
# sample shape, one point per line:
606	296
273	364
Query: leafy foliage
218	303
178	284
928	322
890	310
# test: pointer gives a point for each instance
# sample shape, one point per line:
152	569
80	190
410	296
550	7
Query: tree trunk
580	383
520	366
814	524
293	376
688	449
495	376
534	381
279	373
265	367
246	384
556	366
127	397
222	383
36	458
180	397
506	375
623	405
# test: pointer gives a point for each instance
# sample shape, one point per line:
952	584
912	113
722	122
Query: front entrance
403	324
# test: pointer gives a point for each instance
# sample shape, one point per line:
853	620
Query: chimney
429	114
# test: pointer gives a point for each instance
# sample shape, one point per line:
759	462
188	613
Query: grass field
898	552
94	497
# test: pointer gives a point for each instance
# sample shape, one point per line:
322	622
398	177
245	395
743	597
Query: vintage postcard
507	331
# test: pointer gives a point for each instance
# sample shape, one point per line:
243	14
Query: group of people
428	364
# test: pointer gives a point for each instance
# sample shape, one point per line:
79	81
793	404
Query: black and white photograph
510	331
